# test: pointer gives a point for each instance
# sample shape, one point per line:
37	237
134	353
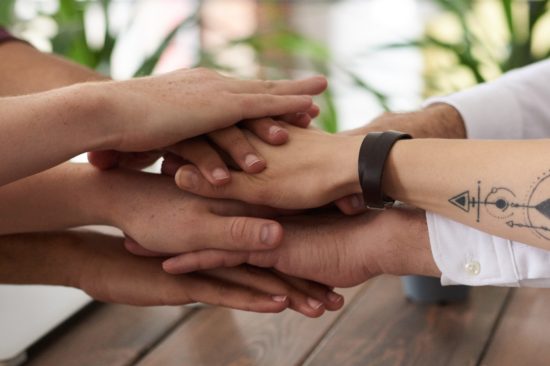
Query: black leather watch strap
372	158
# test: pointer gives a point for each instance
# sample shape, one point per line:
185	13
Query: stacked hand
99	265
311	170
165	110
221	138
331	249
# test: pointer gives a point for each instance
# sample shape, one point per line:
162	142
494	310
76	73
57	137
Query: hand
335	250
155	112
311	170
150	209
99	265
231	140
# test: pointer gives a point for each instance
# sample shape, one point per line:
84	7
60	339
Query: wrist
443	121
124	194
406	251
43	258
438	120
92	121
344	168
103	196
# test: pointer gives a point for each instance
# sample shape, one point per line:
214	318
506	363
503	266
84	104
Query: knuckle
239	230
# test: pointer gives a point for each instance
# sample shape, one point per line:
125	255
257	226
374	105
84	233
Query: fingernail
356	202
220	174
188	179
275	130
169	265
334	297
251	160
314	304
279	298
268	234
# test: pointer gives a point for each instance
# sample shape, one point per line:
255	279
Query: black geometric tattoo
502	203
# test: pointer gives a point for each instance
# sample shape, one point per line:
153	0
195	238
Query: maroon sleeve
6	36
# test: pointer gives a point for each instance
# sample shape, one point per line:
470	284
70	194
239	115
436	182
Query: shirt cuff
468	256
489	111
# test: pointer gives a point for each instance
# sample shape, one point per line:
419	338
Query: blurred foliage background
464	42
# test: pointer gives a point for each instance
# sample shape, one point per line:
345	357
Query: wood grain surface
218	336
107	335
522	336
383	328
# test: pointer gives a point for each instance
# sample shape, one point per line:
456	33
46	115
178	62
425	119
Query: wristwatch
373	154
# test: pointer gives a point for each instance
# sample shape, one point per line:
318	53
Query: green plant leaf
380	97
6	12
508	15
288	42
460	51
328	119
150	62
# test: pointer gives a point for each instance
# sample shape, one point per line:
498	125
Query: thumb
351	205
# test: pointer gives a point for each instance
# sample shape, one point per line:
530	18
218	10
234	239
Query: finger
204	260
104	160
139	160
198	152
261	105
170	164
133	247
233	141
330	299
189	179
297	119
201	288
267	129
238	208
301	119
314	111
230	233
309	86
351	205
266	281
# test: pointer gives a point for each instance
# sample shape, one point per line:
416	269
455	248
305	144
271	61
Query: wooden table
496	326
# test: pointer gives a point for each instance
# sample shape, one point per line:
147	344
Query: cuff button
472	268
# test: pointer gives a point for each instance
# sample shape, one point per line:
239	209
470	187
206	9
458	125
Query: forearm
45	258
436	121
499	187
69	195
25	70
39	131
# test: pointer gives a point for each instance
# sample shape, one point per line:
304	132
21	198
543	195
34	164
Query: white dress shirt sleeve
515	106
